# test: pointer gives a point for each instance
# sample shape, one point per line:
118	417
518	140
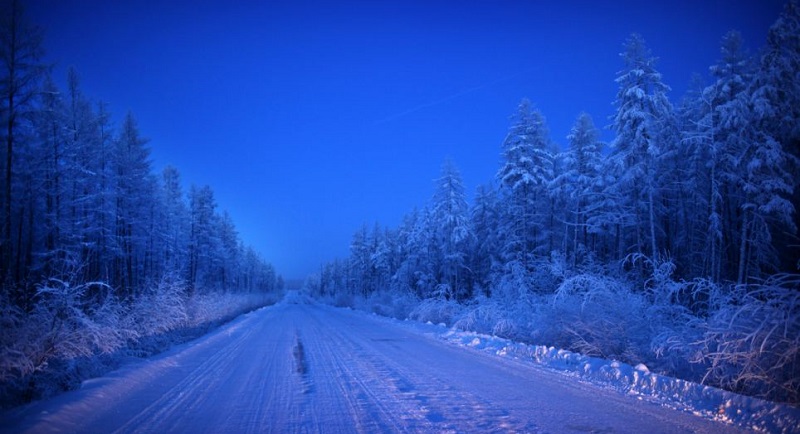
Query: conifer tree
642	107
524	175
452	230
579	183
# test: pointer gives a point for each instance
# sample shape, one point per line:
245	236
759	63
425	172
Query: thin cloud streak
452	96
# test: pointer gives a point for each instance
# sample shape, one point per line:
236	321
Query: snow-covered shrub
751	342
389	303
558	266
661	270
675	326
510	311
542	277
599	316
483	316
215	308
160	309
443	290
45	349
508	328
344	299
69	327
75	331
514	285
436	311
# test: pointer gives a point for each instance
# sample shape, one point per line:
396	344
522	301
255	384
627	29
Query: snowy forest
674	245
102	257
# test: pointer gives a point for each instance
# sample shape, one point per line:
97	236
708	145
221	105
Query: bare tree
20	57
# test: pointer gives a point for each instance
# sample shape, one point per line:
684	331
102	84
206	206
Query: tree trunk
743	250
651	211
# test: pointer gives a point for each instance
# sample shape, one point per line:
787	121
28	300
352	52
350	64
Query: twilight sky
310	118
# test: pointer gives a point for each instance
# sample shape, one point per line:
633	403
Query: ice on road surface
312	368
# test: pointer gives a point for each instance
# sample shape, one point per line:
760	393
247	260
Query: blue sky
310	118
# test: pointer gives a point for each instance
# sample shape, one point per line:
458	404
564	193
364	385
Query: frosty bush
482	316
514	285
489	317
676	318
214	308
344	299
599	316
67	322
744	338
436	311
68	327
71	326
751	343
394	304
160	309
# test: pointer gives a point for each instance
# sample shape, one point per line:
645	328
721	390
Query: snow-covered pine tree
135	195
419	265
174	222
360	261
87	178
523	177
229	253
380	259
452	231
204	242
51	125
691	252
779	83
413	257
780	78
767	181
484	258
748	173
726	118
578	184
642	109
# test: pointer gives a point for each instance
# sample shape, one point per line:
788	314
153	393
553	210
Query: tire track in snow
301	364
436	404
166	413
186	403
349	388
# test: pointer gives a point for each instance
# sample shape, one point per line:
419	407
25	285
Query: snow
708	402
304	367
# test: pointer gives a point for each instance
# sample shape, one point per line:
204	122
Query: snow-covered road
311	368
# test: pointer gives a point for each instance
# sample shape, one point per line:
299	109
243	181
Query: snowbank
705	401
